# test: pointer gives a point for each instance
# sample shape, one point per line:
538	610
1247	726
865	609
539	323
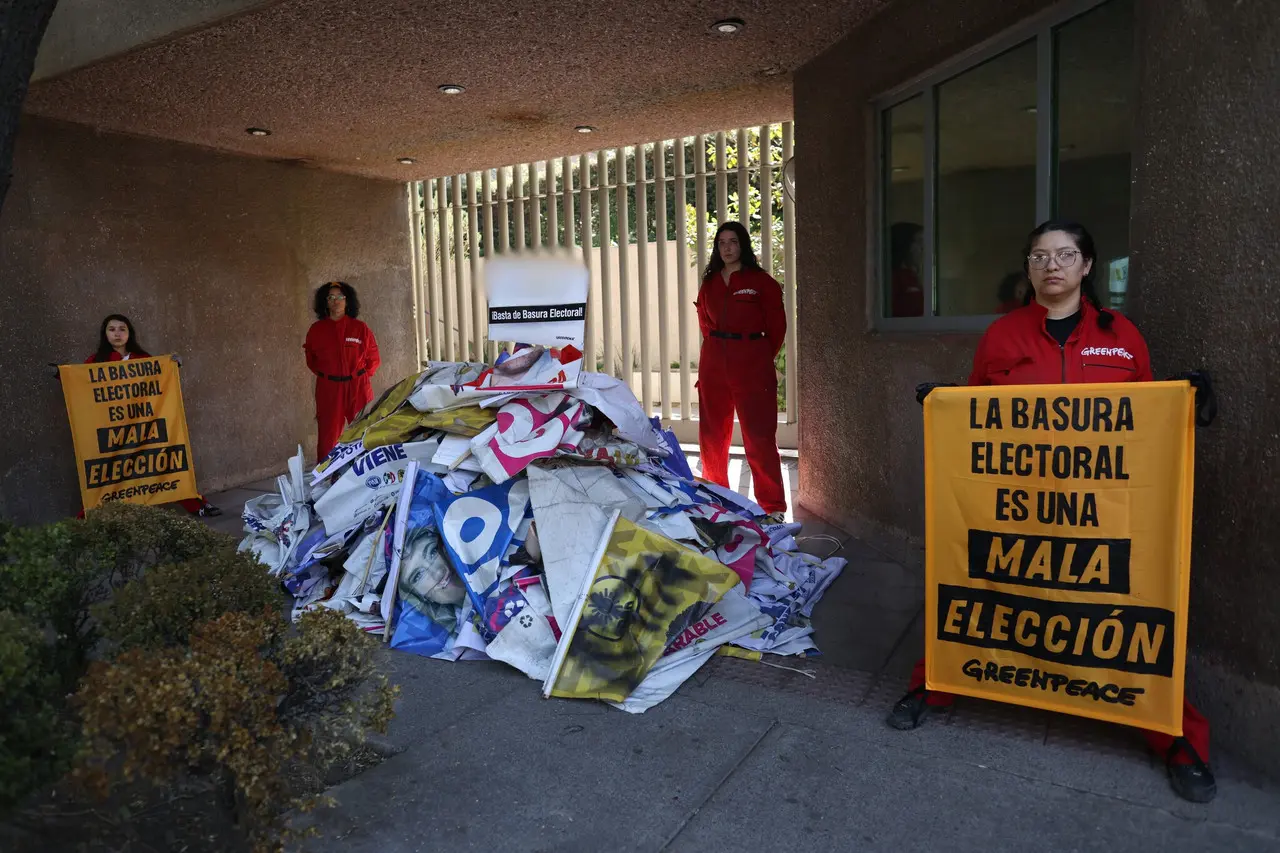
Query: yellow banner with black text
129	429
1058	547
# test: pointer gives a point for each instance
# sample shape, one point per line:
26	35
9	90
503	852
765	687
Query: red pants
1195	728
337	404
752	391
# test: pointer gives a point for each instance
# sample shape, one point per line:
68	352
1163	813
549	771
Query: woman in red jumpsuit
343	354
118	342
1064	335
744	326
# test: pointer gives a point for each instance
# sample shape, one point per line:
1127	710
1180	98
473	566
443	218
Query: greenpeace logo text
1120	352
745	291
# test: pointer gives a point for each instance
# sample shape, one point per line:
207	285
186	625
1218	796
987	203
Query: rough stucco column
22	26
1206	184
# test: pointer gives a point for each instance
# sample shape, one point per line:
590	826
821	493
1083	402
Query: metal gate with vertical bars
642	216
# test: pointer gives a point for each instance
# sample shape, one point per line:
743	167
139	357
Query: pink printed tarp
527	429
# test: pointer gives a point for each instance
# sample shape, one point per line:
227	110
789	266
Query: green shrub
35	740
240	706
165	605
54	574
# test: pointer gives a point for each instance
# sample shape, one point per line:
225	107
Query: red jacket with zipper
1017	349
750	303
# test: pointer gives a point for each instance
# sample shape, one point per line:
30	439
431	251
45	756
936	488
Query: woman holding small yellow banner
1063	334
117	341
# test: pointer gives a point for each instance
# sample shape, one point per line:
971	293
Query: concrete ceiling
351	85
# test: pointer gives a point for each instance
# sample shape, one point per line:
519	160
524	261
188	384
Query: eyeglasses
1066	258
337	297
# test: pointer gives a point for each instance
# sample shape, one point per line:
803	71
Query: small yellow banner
129	428
1058	547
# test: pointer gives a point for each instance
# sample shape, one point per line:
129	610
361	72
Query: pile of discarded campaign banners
530	512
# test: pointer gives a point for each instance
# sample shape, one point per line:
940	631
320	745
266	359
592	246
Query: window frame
1040	28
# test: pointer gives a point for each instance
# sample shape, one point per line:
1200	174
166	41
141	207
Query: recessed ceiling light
584	128
406	161
729	26
452	89
257	131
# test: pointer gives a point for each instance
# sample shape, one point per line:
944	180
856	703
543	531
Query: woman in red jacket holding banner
343	354
117	341
1064	335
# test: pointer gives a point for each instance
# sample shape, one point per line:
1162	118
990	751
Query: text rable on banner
1058	547
129	430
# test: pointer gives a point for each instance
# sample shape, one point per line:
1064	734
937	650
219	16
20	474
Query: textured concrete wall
1205	182
1207	179
212	256
861	459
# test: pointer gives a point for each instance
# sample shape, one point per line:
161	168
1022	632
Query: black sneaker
910	711
209	511
1193	782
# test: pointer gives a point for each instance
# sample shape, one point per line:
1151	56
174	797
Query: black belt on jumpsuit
344	378
734	336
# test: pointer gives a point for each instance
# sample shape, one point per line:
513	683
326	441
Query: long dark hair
716	264
1084	242
131	346
322	299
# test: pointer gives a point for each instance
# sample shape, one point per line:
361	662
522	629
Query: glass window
974	157
986	179
908	290
1095	133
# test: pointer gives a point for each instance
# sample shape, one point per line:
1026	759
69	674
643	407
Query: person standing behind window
343	354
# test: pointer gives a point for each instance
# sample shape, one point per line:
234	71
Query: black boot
910	711
1193	782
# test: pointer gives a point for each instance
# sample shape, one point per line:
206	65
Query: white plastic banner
537	299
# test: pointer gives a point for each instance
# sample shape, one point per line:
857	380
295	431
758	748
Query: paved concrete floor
749	757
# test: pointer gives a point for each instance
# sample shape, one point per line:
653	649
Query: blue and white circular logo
373	482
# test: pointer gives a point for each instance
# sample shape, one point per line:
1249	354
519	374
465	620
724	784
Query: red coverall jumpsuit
744	325
343	355
191	505
1018	350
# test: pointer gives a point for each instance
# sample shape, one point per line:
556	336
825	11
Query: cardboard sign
129	429
537	299
1058	543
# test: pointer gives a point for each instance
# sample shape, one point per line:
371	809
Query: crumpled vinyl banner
571	506
597	446
731	618
427	588
276	524
536	372
529	429
351	444
428	632
526	640
467	421
738	543
477	529
673	458
645	592
372	482
536	300
616	401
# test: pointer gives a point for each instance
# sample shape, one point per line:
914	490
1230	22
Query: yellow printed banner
1058	547
129	428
